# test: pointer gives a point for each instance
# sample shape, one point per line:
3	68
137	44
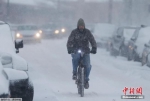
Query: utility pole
7	15
110	11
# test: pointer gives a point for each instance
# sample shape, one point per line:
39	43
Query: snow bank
4	83
143	38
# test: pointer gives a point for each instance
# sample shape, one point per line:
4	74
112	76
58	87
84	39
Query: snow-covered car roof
6	39
143	37
104	30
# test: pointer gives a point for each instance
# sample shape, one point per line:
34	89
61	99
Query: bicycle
80	81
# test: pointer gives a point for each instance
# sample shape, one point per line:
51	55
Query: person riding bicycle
79	39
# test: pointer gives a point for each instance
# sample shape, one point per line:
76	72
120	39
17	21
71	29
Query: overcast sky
34	2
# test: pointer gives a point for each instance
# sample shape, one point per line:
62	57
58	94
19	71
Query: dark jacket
80	40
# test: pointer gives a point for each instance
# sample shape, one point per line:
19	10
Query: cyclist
79	39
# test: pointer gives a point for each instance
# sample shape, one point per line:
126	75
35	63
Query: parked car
103	33
131	44
28	33
128	32
117	41
136	45
145	53
14	78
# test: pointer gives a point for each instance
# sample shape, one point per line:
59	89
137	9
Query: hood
28	32
13	61
80	23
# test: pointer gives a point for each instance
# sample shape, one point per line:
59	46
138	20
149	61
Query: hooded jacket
80	40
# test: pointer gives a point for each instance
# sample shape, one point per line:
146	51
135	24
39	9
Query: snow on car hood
6	39
144	37
28	32
4	83
104	30
15	74
17	63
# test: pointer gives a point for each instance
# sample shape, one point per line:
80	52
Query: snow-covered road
50	69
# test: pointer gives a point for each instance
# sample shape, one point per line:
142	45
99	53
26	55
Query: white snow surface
50	68
143	38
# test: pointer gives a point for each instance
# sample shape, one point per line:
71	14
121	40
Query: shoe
74	77
86	85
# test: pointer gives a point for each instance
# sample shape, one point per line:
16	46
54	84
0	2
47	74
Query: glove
93	50
70	50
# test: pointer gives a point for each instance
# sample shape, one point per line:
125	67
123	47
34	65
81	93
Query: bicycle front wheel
82	82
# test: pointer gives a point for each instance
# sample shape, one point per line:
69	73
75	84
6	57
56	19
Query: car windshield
136	33
128	33
27	28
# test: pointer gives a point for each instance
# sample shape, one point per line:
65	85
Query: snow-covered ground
50	69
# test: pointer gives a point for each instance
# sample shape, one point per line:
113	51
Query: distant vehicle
54	30
136	47
60	31
103	33
48	30
28	33
14	78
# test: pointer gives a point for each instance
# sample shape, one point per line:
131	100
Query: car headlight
18	35
63	30
56	31
38	35
131	47
40	31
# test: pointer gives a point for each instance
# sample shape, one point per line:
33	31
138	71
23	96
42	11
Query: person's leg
75	62
86	63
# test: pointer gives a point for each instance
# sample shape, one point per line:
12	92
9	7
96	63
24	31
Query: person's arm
93	43
70	42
